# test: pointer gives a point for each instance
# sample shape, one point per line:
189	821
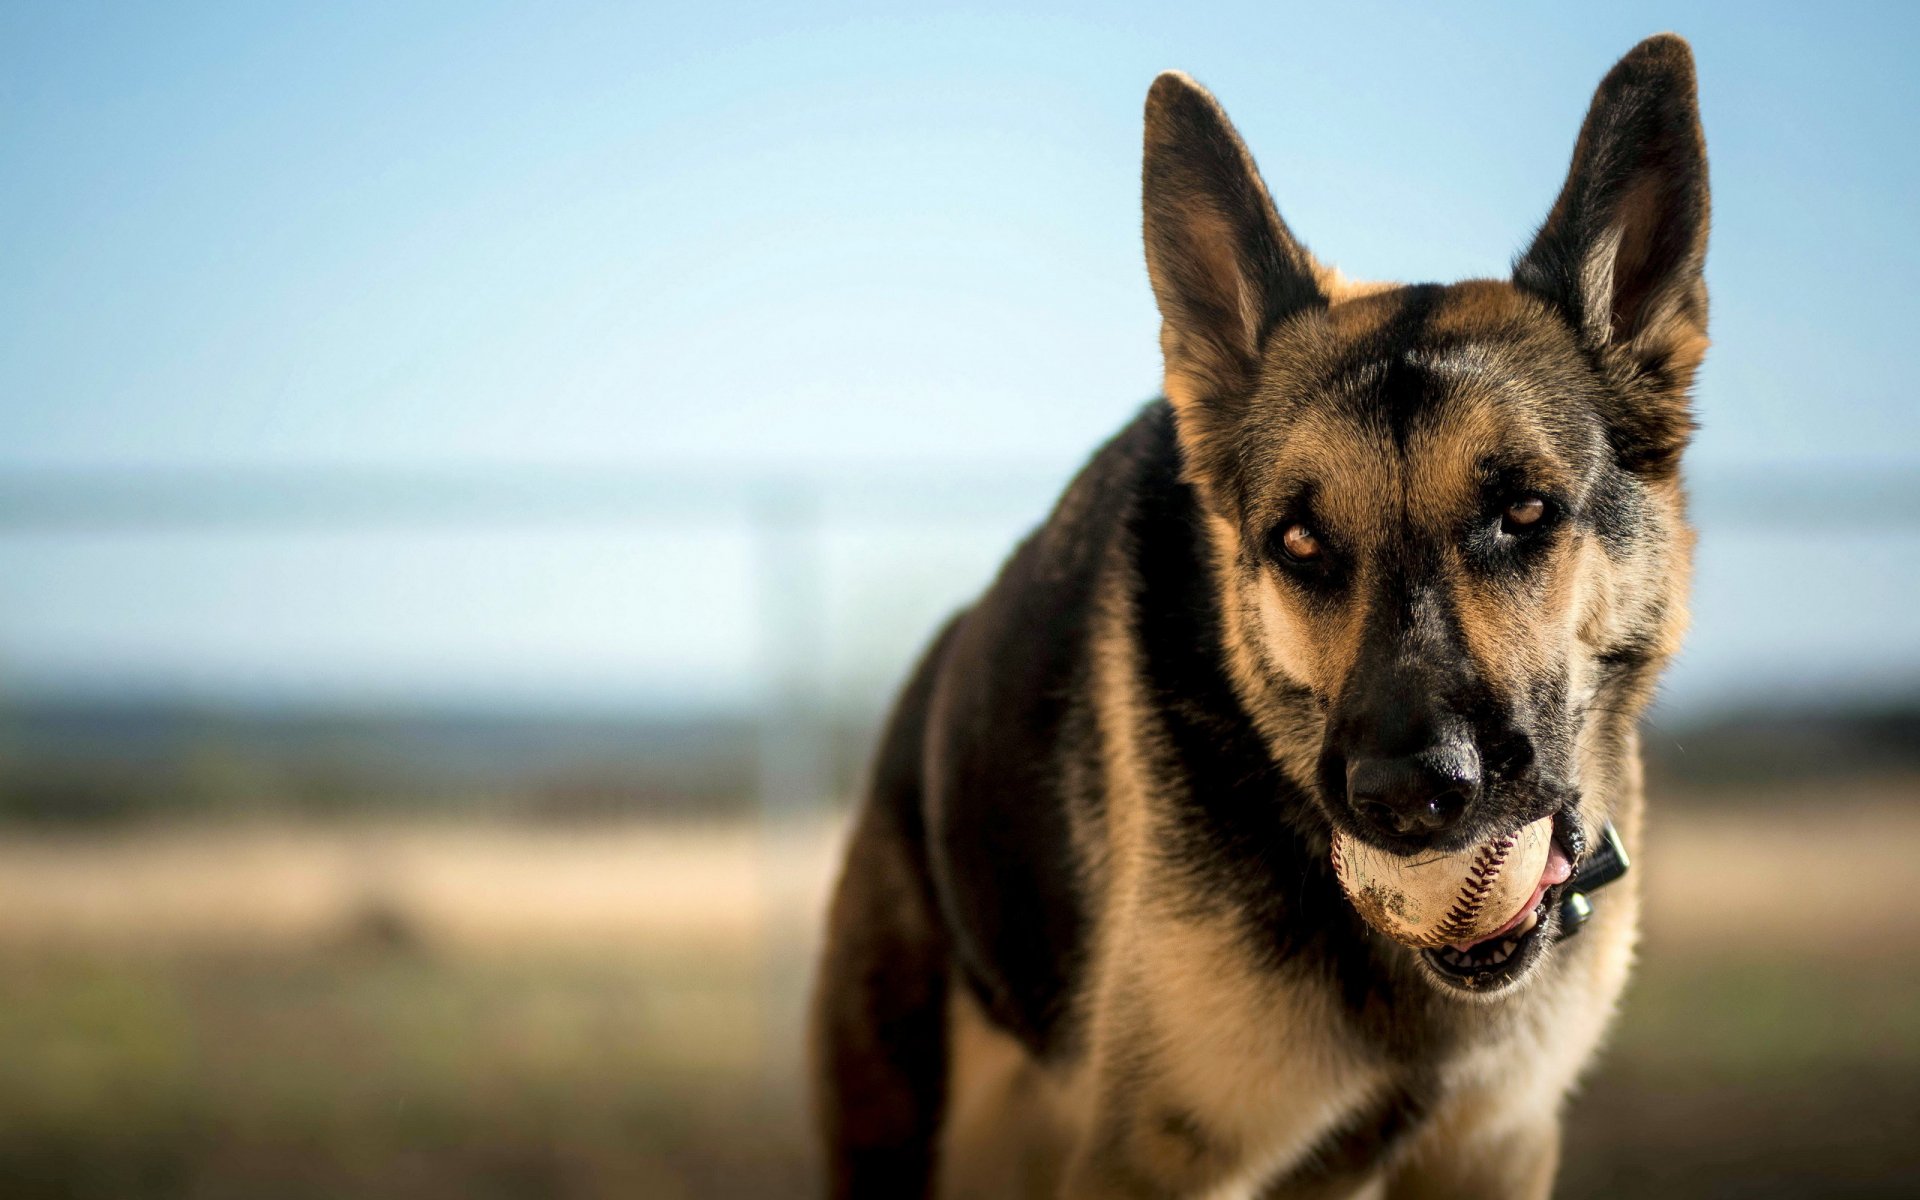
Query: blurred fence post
794	767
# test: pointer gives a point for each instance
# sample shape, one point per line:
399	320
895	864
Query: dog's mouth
1505	956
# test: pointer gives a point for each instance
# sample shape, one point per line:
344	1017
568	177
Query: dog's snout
1412	796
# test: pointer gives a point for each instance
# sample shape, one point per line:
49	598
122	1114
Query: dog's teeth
1526	926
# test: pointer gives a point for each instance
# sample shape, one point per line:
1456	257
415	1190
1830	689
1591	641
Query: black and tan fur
1088	941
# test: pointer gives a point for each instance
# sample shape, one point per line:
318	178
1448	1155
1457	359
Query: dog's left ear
1225	268
1622	250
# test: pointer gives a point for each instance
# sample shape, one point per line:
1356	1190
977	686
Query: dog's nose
1410	796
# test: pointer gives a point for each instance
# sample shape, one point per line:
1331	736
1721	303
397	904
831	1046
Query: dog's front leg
1144	1150
1514	1162
879	1023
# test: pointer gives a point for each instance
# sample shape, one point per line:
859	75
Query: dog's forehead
1405	402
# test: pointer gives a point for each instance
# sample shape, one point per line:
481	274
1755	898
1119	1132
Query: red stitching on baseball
1483	872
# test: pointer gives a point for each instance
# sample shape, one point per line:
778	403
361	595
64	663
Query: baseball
1429	901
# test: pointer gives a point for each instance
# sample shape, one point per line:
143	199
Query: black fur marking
1402	391
1360	1145
1616	510
1020	749
1184	1129
1014	693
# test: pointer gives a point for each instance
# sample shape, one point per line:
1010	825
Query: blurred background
472	474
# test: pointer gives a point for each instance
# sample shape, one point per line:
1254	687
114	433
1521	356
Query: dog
1399	561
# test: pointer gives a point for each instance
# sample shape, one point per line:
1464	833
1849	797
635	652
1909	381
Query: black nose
1410	796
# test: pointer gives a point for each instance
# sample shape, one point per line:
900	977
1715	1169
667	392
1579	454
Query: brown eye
1524	512
1299	543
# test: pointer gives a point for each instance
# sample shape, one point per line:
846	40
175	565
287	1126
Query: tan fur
1188	1036
1009	1123
1338	289
1179	1024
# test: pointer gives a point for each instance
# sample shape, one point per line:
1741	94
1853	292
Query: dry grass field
438	1009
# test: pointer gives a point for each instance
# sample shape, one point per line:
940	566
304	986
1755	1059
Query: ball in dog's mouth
1434	899
1479	918
1490	961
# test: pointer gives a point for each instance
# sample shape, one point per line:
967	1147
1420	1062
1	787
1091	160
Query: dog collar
1607	863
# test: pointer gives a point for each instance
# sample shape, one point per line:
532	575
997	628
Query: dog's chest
1293	1085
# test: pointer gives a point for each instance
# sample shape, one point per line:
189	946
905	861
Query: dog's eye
1523	514
1299	543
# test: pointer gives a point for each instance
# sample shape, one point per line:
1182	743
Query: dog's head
1448	515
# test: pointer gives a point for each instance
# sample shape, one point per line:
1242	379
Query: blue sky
482	237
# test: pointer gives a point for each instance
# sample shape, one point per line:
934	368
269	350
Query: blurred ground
429	1008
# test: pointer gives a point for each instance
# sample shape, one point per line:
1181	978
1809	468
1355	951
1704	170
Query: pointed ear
1225	269
1621	252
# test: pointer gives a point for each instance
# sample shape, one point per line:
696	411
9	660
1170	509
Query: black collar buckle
1606	863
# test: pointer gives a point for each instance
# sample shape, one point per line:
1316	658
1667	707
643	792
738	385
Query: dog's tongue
1558	870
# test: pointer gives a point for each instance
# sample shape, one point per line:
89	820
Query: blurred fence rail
783	517
1798	495
170	499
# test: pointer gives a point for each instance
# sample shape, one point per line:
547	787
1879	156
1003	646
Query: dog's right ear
1224	266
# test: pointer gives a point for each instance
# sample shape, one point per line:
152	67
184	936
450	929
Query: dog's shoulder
1011	746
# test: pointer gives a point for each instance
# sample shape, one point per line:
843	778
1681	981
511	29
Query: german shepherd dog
1398	561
